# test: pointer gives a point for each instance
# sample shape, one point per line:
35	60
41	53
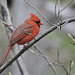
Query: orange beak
40	23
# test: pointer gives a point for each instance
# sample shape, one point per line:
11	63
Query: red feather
19	36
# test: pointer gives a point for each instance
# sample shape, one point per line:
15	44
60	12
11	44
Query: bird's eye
37	22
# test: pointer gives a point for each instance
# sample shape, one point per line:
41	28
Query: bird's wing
19	33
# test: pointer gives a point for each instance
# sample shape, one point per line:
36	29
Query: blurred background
36	65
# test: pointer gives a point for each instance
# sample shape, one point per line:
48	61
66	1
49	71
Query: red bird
31	26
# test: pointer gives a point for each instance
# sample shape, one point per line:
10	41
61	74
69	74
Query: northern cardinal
31	26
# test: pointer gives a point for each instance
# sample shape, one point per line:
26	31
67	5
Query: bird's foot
24	45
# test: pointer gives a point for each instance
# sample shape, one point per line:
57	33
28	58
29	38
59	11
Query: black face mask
38	23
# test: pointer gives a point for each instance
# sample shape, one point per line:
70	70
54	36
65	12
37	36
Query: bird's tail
6	55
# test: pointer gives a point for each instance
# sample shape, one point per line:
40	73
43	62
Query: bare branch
35	41
38	12
66	6
20	63
56	11
58	55
51	62
70	67
57	16
7	18
47	60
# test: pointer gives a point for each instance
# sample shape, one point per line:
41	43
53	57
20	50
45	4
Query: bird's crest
34	17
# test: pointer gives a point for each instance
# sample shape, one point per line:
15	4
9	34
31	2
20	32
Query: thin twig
58	8
57	16
56	11
38	12
70	68
58	55
66	6
19	29
49	61
35	41
7	18
46	58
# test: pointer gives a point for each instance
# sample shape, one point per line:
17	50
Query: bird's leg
24	46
